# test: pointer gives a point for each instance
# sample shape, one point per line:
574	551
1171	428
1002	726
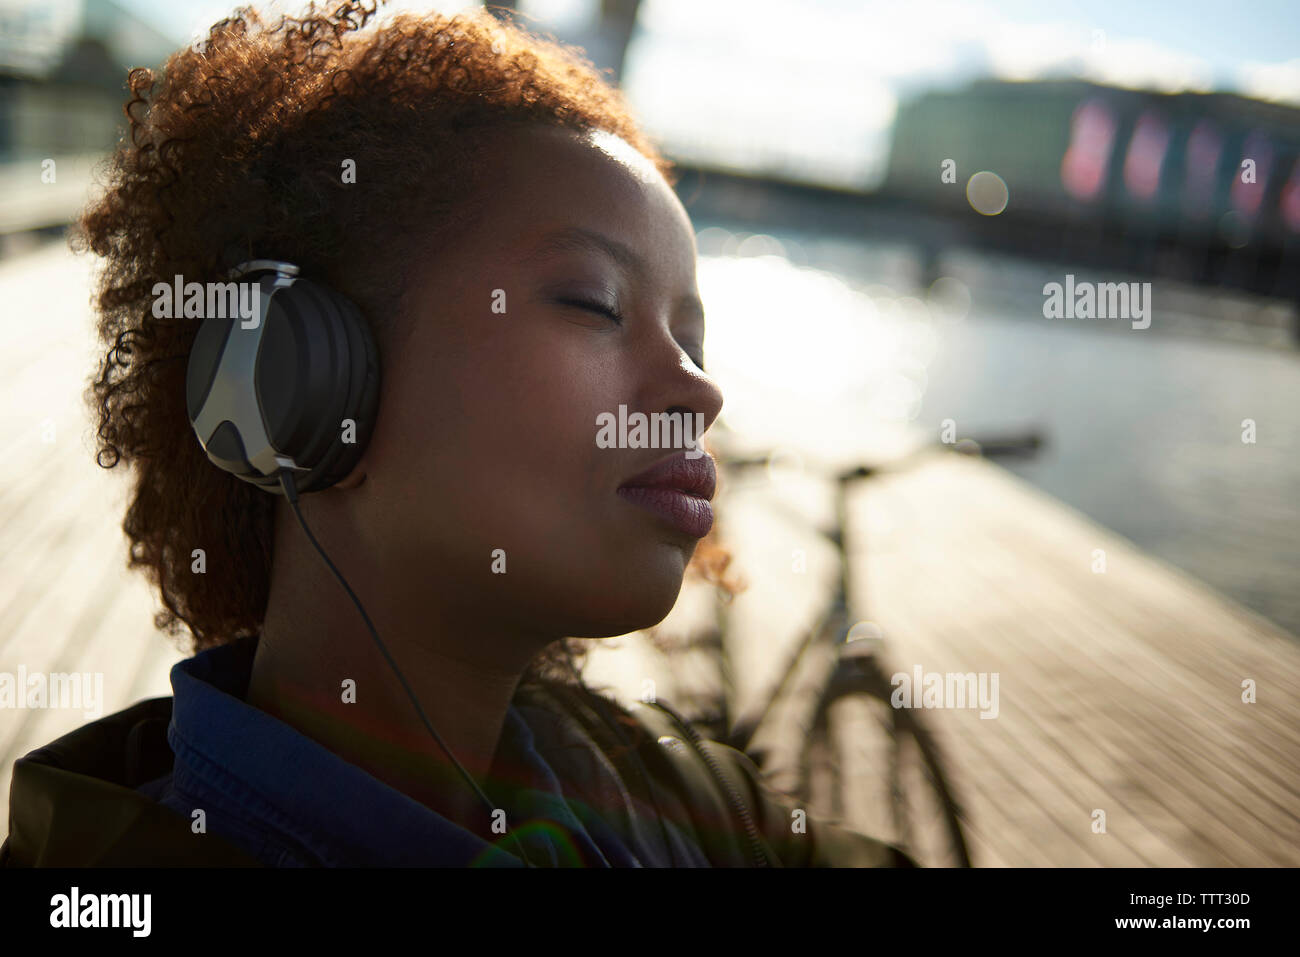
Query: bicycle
853	690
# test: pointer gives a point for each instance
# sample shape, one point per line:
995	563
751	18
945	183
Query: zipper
738	807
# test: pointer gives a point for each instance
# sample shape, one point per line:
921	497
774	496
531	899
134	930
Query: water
1144	427
1145	436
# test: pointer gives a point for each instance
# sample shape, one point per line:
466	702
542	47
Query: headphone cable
291	493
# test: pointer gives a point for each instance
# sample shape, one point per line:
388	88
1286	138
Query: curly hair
237	149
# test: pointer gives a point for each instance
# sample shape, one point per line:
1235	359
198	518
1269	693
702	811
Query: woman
517	251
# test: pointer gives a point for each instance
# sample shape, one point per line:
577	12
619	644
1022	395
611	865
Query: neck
318	669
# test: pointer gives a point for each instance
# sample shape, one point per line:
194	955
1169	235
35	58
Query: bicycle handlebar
1016	445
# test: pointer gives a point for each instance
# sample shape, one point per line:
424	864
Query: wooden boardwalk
67	602
1119	691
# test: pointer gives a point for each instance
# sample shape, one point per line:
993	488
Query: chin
620	611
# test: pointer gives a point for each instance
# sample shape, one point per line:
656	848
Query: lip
678	490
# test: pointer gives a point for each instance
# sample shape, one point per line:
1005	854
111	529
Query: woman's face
487	430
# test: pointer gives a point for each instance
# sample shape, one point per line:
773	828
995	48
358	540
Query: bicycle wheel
877	770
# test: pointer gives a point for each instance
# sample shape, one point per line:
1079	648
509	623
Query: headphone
276	396
269	404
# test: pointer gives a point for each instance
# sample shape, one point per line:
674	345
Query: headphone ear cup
362	399
318	368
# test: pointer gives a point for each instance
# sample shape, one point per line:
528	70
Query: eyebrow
581	239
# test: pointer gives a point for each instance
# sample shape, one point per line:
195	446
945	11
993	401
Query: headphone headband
254	266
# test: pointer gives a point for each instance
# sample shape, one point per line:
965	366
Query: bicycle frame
833	625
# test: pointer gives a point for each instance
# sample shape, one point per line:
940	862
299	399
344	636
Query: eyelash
594	307
616	318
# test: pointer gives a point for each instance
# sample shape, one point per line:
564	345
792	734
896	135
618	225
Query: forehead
540	180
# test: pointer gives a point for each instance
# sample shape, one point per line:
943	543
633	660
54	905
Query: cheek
505	457
511	438
579	550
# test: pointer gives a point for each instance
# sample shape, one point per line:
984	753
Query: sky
1224	36
811	88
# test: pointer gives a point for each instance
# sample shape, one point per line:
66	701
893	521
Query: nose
677	385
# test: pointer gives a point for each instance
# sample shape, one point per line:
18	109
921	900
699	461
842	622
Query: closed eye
614	316
596	307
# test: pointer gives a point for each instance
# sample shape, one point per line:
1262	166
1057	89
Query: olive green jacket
74	803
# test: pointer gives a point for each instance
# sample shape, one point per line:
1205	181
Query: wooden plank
1073	755
48	626
1107	636
122	645
40	541
1057	639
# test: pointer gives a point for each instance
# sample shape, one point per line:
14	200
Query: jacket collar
239	762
